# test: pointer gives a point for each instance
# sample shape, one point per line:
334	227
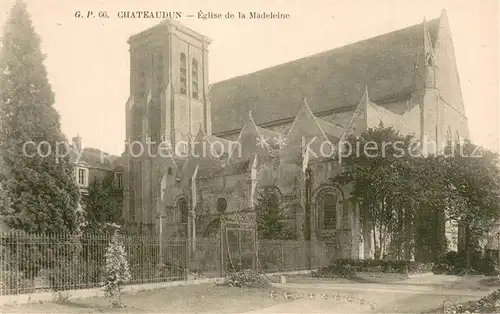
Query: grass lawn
204	298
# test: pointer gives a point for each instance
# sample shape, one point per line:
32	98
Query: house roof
95	158
329	80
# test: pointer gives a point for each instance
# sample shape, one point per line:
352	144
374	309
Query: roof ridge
322	52
315	119
331	79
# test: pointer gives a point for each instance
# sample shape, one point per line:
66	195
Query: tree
270	217
40	183
406	199
102	205
473	176
381	176
5	204
116	268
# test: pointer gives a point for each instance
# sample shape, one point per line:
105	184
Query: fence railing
290	255
31	263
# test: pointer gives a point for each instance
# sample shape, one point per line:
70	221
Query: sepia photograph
249	156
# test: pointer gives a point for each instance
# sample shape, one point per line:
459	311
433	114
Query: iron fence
291	255
31	263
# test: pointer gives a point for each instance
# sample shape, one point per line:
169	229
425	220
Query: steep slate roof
358	122
329	80
333	132
230	169
94	158
201	155
251	141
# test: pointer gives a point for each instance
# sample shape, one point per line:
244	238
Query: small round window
221	205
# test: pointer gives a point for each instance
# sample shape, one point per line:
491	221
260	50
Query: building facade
94	165
245	134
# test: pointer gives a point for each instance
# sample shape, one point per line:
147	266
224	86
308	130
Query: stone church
246	134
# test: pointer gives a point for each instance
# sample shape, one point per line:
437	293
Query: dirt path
416	295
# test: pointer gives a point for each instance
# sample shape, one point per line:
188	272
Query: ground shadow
358	279
96	307
434	311
79	305
490	282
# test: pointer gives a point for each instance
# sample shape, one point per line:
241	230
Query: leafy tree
102	204
271	214
5	199
473	177
5	205
406	198
433	197
40	185
380	174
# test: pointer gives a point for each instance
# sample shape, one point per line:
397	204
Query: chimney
77	143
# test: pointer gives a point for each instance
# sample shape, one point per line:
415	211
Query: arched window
429	61
329	207
183	74
327	202
194	78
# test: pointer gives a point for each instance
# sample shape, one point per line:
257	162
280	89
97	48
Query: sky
88	59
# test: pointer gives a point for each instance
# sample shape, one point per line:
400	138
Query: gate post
187	259
255	252
222	237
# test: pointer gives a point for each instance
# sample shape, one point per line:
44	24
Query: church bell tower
168	103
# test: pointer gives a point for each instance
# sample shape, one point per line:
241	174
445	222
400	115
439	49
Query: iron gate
238	246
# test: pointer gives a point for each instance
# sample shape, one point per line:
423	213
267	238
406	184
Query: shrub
346	268
488	266
338	270
116	269
454	263
451	258
419	268
488	304
246	278
442	268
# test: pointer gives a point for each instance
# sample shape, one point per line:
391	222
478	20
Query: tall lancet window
183	74
327	206
194	78
159	70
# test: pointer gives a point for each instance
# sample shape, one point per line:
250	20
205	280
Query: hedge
347	268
